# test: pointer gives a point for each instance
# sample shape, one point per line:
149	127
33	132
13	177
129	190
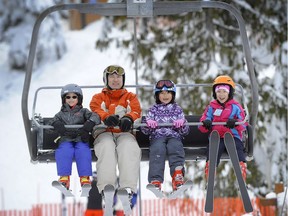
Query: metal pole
64	208
135	54
136	81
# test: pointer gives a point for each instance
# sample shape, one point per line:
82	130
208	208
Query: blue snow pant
239	148
67	152
159	148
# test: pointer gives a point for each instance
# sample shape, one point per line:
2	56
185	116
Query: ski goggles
115	69
164	83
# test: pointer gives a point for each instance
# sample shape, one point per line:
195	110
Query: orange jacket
118	102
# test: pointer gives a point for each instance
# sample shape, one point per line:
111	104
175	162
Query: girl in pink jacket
225	109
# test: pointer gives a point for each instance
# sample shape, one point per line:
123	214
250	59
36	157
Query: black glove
207	124
112	120
59	127
88	126
125	123
231	123
85	136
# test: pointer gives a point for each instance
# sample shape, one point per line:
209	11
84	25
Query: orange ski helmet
224	80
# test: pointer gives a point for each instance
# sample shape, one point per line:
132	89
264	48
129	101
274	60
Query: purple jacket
165	113
217	113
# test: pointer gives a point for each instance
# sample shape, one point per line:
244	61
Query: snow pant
159	149
67	151
112	149
239	148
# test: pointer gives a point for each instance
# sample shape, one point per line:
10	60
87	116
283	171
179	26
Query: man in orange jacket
116	145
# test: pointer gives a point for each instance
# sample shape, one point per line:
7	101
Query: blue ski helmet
164	85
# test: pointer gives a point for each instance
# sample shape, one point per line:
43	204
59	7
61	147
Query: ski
109	192
231	149
62	188
124	197
158	193
180	190
85	190
213	153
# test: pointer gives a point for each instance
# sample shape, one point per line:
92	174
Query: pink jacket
218	113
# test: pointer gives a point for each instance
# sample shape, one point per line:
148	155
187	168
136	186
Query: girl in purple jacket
166	140
225	109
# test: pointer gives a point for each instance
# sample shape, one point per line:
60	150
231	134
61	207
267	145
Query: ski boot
243	167
65	181
157	184
206	170
85	180
177	178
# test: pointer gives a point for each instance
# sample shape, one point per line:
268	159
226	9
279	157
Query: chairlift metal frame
131	9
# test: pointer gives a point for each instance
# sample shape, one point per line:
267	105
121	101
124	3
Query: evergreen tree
17	15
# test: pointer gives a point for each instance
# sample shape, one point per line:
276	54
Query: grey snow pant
124	152
159	149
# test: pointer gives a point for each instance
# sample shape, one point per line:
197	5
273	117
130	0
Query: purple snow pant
239	148
67	151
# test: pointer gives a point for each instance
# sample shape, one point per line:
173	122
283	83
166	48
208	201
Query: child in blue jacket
166	140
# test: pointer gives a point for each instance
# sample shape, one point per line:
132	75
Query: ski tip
54	183
150	186
214	132
86	186
109	187
122	191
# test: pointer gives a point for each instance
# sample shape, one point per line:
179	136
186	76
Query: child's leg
83	159
157	156
220	152
64	157
241	156
176	158
176	154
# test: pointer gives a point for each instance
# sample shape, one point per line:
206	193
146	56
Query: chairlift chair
40	136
